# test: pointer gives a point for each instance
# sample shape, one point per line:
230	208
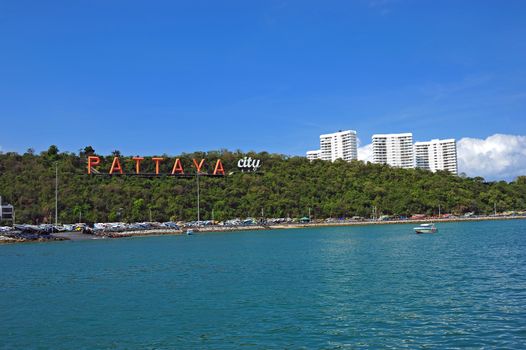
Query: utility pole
439	214
309	213
56	193
198	209
495	208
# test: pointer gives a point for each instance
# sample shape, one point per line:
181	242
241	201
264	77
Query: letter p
92	161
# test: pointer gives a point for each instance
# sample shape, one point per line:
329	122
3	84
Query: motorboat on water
189	232
425	228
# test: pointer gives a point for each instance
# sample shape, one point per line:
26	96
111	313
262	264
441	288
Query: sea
352	287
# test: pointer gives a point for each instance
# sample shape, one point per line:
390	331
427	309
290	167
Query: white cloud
365	153
498	157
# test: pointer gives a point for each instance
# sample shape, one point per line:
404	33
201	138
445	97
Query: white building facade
394	149
338	145
312	155
437	155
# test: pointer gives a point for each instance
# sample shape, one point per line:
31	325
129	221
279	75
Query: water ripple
378	287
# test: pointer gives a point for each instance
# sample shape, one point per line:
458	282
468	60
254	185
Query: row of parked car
232	222
46	229
137	226
6	229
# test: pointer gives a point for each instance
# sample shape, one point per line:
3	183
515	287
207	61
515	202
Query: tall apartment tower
394	149
437	155
338	145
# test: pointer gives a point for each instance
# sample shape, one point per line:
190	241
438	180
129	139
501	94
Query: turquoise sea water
332	288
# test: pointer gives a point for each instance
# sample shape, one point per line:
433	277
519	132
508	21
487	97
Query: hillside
285	186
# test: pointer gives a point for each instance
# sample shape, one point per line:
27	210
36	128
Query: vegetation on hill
285	187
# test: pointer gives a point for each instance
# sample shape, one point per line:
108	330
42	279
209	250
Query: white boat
425	228
189	232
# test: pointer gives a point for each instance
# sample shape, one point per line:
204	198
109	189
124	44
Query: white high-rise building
311	155
338	145
394	149
437	155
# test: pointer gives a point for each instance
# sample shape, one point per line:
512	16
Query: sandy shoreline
353	223
74	236
218	229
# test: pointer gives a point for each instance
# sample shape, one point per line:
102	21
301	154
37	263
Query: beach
219	228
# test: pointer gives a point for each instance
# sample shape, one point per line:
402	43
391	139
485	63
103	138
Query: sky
154	77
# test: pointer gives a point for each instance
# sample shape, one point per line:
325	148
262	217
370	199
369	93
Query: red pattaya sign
177	168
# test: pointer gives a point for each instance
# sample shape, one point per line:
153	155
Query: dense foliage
286	187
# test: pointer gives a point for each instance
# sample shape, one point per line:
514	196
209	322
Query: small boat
425	228
189	232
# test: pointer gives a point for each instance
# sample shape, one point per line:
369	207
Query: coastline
354	223
75	236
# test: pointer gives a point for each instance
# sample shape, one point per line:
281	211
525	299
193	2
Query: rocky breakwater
27	233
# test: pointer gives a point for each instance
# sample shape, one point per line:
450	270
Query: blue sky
153	77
